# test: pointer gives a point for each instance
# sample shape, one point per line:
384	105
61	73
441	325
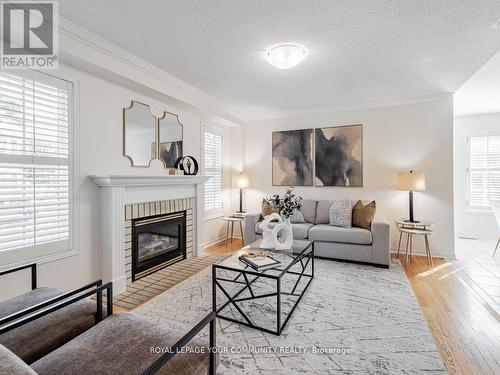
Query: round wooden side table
230	224
411	229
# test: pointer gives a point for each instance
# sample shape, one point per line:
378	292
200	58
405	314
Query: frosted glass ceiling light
286	55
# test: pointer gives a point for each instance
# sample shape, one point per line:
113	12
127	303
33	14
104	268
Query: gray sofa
353	244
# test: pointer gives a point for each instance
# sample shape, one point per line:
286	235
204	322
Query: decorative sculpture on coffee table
270	233
286	205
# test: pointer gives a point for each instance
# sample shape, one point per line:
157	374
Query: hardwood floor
465	327
223	249
479	268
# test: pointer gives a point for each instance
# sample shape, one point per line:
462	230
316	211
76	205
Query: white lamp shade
411	181
241	181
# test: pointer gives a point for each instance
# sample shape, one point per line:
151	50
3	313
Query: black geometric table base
247	277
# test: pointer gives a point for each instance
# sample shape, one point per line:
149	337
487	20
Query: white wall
101	147
470	223
397	138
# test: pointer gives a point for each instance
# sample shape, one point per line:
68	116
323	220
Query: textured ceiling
362	52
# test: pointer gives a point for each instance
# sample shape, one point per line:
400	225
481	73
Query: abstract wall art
339	156
293	158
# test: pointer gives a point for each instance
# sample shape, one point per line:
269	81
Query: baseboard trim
213	242
217	241
353	261
421	253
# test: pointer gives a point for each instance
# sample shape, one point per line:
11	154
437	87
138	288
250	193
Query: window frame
45	254
469	206
209	214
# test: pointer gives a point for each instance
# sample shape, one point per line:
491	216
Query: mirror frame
164	115
156	128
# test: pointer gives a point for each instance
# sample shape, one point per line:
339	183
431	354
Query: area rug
152	285
353	319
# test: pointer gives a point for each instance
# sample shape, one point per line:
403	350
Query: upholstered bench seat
43	335
122	344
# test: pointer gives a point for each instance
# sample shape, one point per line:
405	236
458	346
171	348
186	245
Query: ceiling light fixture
286	55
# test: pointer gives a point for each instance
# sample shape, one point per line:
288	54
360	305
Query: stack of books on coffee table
259	262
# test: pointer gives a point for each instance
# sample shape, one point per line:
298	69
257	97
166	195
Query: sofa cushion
297	217
328	233
341	213
121	344
362	215
11	364
268	208
308	210
43	335
300	231
323	212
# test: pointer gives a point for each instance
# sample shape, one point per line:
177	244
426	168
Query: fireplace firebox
157	241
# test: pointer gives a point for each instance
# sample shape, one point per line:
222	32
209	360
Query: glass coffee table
264	300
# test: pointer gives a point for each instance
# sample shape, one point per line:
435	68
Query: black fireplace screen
157	241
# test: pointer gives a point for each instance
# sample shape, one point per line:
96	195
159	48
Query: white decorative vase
286	240
270	234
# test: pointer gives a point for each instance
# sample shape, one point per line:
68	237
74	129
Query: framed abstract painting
293	158
339	156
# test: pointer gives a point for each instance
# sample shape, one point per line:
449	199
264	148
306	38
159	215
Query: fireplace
157	241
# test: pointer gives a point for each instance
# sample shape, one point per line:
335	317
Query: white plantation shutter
484	171
212	157
34	162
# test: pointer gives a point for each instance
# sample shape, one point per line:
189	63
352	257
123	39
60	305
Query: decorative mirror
170	136
139	134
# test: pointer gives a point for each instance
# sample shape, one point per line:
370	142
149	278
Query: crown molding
345	108
74	37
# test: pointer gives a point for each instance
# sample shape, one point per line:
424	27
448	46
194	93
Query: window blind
484	171
34	161
213	168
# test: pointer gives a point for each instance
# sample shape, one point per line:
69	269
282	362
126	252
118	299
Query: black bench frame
39	310
33	273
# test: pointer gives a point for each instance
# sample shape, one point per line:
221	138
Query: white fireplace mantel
116	191
148	180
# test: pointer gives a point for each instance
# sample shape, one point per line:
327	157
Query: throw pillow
268	208
297	217
341	213
362	216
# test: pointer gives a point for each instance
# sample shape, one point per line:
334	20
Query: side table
230	225
411	229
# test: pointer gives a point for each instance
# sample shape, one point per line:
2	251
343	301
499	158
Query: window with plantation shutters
483	171
35	207
212	156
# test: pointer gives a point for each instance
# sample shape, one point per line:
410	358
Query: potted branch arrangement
285	205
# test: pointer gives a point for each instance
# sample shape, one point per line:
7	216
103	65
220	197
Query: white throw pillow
341	213
297	217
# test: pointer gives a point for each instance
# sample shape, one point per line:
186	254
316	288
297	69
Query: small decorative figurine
188	165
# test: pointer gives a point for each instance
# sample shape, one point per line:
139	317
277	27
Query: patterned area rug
353	319
149	286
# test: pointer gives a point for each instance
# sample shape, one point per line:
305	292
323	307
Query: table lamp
411	181
241	181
